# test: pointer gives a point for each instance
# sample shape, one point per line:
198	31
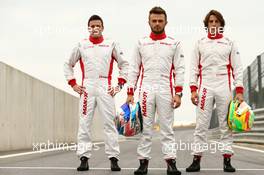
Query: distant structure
254	83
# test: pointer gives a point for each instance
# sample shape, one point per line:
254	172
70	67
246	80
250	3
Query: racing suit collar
96	40
155	37
215	36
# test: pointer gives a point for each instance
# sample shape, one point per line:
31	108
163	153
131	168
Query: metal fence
254	83
256	134
253	80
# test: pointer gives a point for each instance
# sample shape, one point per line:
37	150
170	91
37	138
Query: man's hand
194	98
78	89
176	101
239	97
130	99
114	90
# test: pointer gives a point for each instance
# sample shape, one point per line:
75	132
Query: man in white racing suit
160	60
215	59
96	56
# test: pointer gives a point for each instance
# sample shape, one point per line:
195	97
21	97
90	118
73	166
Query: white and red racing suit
215	60
160	60
96	57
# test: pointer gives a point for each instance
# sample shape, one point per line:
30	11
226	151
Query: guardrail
256	135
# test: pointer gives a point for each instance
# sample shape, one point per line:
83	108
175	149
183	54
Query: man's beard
157	32
97	35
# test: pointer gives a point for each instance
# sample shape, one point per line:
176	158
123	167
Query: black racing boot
84	164
227	165
171	167
114	164
143	168
195	166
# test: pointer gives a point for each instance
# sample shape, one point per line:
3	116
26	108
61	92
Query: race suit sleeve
134	70
194	68
179	68
69	65
122	64
237	68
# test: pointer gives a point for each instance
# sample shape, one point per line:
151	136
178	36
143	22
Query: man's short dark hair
217	14
95	17
158	10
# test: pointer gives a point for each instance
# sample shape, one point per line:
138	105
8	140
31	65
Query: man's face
95	28
214	25
157	23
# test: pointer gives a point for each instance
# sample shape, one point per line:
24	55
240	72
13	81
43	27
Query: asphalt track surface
247	161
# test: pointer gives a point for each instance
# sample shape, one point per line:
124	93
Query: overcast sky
38	36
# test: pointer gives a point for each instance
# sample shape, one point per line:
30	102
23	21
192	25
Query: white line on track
35	152
248	149
155	169
99	143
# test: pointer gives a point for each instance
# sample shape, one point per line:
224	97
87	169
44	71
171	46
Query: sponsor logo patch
203	98
85	96
146	44
144	104
167	44
220	42
103	45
